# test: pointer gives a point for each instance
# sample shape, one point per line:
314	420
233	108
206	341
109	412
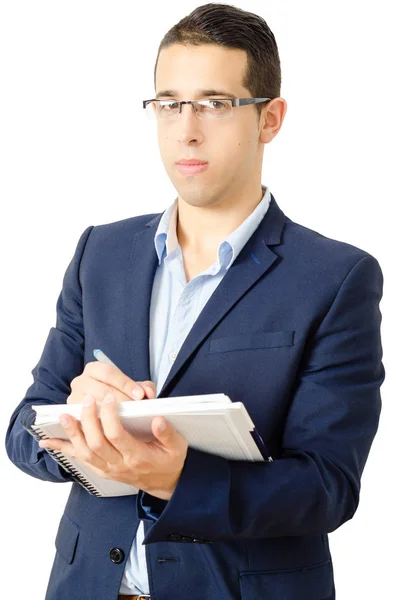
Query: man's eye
217	104
169	105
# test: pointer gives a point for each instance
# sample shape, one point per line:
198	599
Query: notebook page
195	425
127	409
47	413
238	421
210	433
241	424
200	427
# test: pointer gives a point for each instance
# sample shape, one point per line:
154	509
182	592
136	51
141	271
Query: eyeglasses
219	108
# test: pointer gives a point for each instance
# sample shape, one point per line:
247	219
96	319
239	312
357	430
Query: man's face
231	146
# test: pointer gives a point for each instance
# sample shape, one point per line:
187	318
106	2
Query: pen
101	357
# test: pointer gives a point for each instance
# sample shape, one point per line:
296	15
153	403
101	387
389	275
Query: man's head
219	47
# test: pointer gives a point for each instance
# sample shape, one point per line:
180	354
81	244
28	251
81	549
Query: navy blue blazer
293	332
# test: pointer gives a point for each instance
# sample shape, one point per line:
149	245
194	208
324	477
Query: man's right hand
99	379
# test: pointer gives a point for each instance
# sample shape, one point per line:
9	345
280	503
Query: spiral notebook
211	423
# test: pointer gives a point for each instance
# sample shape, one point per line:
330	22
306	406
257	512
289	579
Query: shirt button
172	356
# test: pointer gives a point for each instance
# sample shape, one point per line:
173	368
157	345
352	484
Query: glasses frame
235	103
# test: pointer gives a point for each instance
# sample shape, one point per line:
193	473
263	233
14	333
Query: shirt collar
166	241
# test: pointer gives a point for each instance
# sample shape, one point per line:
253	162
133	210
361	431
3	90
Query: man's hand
113	453
99	379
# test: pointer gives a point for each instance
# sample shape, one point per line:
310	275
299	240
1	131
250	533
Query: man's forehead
176	76
199	93
206	56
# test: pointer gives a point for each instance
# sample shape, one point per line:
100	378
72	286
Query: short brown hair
233	27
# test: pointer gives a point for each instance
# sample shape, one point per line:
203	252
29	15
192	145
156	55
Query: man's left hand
113	453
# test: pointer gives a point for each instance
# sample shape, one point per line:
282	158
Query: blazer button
116	555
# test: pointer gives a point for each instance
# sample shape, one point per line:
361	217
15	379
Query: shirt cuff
151	506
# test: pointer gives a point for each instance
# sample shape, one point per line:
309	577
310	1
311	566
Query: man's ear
272	118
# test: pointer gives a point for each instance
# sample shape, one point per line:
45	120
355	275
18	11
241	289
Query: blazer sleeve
61	361
313	487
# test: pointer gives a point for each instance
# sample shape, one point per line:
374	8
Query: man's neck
200	230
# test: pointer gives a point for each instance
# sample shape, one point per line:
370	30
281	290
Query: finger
86	385
114	431
149	387
94	435
58	445
166	434
81	451
112	376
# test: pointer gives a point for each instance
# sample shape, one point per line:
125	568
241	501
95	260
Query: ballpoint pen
101	357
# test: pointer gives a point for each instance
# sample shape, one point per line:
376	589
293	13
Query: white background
77	150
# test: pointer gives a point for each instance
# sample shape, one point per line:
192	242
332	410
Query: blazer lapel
141	269
252	263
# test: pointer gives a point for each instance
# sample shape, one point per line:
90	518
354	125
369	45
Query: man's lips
191	161
191	168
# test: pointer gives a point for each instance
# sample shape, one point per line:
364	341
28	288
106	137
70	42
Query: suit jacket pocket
66	539
309	583
250	341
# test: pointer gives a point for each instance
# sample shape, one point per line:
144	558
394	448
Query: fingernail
64	420
137	393
88	400
109	398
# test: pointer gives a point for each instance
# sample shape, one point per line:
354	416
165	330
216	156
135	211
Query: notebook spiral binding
28	417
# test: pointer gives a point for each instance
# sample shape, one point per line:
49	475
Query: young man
220	293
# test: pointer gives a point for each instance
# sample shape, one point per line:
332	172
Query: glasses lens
214	109
205	109
162	109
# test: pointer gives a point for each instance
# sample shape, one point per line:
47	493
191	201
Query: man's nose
190	124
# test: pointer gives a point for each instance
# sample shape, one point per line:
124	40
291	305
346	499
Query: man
220	293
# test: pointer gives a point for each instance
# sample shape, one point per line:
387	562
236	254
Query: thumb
163	430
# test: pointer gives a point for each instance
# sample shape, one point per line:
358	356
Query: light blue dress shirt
175	306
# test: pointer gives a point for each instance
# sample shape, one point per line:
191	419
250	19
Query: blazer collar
255	258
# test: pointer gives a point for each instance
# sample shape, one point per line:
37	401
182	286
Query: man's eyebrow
199	93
